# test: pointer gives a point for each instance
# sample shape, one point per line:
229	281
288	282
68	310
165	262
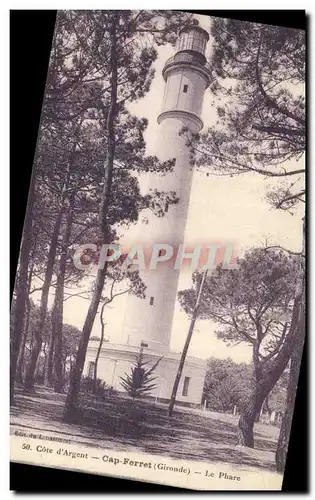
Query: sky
221	208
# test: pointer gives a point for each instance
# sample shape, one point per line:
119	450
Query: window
91	369
185	386
185	89
151	301
143	344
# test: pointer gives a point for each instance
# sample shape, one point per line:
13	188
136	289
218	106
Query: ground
121	424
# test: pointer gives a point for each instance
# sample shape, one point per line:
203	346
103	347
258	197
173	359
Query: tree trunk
77	368
37	371
295	363
248	415
21	288
20	364
246	429
30	372
267	406
186	346
50	360
57	315
70	366
99	347
64	363
44	365
285	429
74	387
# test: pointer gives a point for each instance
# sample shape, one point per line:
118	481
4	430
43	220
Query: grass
122	424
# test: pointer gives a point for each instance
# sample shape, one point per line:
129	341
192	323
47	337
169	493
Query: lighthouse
147	323
186	76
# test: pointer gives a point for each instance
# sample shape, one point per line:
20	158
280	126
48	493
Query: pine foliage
140	382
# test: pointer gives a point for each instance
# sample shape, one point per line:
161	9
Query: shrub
140	382
100	389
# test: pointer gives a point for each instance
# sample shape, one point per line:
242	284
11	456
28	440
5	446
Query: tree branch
273	104
290	198
280	130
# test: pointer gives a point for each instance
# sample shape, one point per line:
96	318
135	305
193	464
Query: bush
140	382
100	389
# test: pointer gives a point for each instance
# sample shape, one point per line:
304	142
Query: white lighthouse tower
148	322
186	76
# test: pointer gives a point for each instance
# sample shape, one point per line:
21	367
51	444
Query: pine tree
130	60
71	152
258	82
254	304
140	382
259	96
74	150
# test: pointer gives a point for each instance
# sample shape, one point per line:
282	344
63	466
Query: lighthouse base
116	360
